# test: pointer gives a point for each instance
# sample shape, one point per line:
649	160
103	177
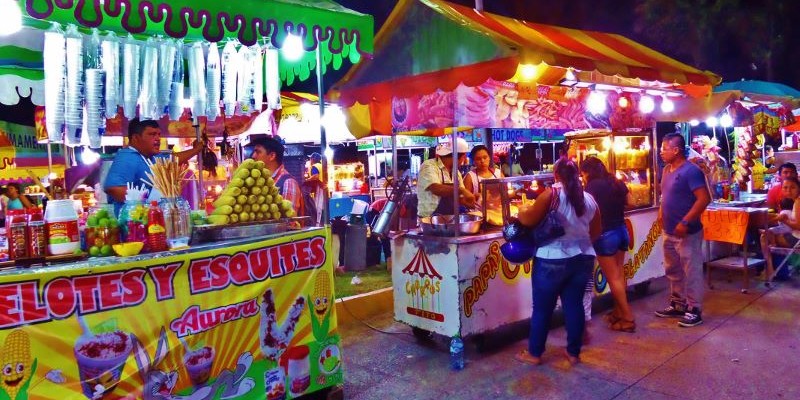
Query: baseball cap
446	148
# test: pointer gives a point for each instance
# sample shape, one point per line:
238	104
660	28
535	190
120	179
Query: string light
712	122
726	121
10	17
667	106
596	104
292	48
646	104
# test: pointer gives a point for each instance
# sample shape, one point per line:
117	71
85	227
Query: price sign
725	225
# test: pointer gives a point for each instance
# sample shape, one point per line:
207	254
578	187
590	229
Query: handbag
548	228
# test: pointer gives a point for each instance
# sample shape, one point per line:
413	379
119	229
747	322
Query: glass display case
628	155
501	198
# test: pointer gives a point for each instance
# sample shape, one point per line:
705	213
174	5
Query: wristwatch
684	222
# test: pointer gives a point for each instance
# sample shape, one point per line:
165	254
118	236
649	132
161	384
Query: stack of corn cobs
89	77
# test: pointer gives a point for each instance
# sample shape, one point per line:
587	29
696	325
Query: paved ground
748	348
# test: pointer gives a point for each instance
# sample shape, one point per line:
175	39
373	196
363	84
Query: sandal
611	317
573	360
623	325
525	357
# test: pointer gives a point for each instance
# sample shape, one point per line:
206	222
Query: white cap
446	148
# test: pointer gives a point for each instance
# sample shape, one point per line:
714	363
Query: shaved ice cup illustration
100	360
198	364
296	365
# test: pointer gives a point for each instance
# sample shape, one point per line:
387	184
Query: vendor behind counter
130	163
435	184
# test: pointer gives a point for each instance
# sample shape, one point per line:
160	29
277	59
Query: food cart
490	71
245	311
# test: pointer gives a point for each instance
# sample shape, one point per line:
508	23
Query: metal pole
394	156
201	198
323	139
479	5
454	176
49	160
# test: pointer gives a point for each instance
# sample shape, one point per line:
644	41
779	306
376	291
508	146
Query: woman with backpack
563	265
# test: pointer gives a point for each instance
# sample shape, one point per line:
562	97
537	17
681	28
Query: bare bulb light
596	103
10	17
292	48
646	104
726	121
694	122
712	122
667	106
623	102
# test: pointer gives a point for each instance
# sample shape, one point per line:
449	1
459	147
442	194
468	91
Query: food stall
170	323
490	71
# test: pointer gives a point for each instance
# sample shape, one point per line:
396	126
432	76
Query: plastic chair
786	252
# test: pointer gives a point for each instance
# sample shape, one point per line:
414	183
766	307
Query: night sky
739	31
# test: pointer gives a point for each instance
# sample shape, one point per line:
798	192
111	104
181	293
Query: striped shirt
291	189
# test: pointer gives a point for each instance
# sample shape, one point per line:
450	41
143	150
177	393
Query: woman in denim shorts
613	242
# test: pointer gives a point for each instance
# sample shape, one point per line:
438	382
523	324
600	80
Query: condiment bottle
16	229
156	231
37	234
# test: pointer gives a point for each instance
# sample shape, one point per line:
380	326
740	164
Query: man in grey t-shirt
684	197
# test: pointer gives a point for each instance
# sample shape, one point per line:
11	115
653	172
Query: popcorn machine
628	155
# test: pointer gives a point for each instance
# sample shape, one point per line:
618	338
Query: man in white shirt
435	184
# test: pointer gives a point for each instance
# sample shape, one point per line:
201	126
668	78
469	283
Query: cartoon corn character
15	360
320	302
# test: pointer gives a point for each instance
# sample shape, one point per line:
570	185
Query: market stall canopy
427	45
766	93
344	34
699	108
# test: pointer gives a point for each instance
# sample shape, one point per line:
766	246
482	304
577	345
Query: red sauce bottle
156	229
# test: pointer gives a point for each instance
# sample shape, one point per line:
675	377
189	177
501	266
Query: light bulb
667	106
712	122
89	156
623	102
570	75
646	104
596	104
292	48
726	121
328	153
694	122
528	72
10	17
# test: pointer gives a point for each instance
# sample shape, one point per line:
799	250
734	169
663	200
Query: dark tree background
737	39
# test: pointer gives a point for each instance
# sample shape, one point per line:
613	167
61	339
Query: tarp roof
764	92
427	45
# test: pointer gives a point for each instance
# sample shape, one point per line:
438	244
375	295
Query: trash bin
355	248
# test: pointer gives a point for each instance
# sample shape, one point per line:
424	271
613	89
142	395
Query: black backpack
309	206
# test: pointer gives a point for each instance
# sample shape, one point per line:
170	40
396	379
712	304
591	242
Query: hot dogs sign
235	323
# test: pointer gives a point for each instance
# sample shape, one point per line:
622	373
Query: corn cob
16	362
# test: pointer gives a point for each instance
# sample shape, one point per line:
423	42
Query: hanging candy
109	56
166	65
272	78
130	76
213	82
197	80
230	69
148	95
73	104
54	57
175	108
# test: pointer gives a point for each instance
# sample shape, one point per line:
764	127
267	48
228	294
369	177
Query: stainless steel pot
444	225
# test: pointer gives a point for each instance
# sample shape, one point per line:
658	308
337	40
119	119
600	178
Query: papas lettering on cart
22	303
215	273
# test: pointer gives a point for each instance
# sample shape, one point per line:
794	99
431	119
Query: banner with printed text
249	321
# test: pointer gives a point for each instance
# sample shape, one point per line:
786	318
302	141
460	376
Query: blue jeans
553	278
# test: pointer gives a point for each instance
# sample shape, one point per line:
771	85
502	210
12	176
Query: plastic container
132	221
456	353
37	234
156	231
178	221
61	222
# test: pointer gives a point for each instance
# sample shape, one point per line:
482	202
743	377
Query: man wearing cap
270	151
314	166
435	184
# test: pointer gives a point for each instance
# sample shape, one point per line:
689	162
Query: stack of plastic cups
95	114
73	104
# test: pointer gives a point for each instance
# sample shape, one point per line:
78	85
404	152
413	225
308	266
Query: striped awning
447	44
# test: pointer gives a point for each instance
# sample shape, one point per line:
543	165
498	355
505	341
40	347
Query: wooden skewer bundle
166	175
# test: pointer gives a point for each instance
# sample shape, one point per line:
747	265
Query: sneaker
673	310
691	319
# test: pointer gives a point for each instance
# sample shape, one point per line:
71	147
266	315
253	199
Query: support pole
201	199
454	176
323	139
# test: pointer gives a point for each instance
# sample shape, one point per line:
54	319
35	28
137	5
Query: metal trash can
355	248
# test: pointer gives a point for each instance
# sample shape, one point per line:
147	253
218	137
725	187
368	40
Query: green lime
112	223
94	251
102	213
92	221
103	223
77	252
106	250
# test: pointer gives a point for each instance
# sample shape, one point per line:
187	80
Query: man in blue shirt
684	197
129	166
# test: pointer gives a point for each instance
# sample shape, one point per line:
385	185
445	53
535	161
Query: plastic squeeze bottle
156	231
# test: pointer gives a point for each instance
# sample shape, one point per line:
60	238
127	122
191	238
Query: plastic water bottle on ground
457	353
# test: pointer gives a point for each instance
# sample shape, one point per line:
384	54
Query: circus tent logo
421	265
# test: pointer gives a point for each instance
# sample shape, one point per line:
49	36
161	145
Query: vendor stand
164	324
489	71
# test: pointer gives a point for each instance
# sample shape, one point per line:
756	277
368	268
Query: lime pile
251	195
102	231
